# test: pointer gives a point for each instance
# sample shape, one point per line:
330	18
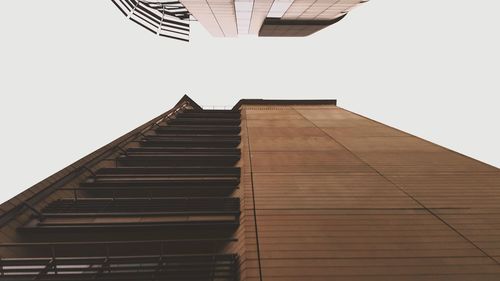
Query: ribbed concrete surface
341	197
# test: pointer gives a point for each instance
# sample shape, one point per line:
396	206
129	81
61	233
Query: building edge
36	193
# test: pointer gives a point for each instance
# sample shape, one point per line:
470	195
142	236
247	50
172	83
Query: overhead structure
230	18
163	17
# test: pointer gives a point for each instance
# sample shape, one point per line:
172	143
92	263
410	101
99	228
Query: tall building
271	190
230	18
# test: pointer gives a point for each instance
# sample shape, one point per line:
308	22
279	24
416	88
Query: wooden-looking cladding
342	197
327	194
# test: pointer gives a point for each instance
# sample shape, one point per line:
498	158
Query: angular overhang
294	28
230	18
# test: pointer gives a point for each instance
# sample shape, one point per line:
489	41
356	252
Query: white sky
74	75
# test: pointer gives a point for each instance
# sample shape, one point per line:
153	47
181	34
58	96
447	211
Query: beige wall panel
319	9
204	15
259	14
225	14
217	16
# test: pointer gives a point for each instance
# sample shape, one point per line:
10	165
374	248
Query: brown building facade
271	190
